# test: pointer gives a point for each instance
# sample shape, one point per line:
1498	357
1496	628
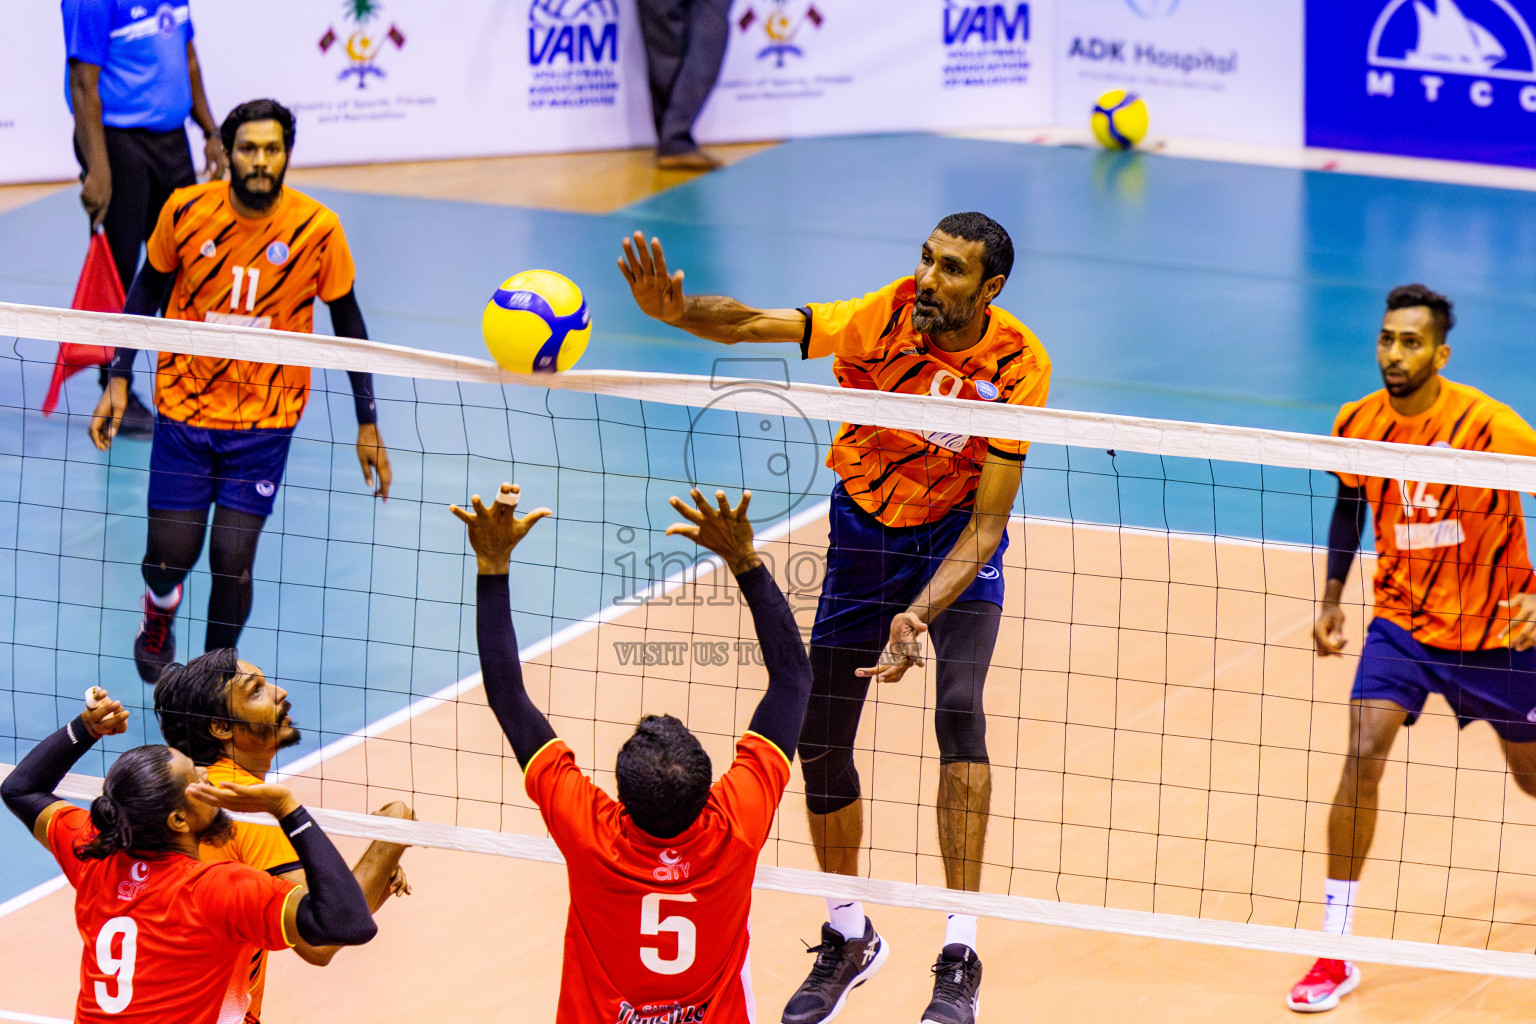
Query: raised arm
1343	542
216	160
996	487
493	533
728	533
659	295
334	911
28	790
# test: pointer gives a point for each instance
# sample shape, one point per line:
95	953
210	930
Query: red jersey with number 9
167	938
657	930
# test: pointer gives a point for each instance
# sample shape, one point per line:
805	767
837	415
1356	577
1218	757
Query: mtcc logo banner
1454	79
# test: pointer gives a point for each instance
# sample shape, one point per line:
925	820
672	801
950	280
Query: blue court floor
1161	287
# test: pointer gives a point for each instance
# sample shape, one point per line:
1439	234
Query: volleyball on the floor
537	322
1120	119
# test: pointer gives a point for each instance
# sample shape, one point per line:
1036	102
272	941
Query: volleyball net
1165	744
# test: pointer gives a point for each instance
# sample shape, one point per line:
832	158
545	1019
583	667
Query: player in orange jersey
918	529
231	720
167	937
1455	600
250	252
661	879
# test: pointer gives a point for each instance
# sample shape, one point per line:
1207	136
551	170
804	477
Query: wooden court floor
1162	740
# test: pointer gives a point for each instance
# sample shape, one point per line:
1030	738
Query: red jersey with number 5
167	938
657	930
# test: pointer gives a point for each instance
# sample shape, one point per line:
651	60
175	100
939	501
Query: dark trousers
146	167
684	47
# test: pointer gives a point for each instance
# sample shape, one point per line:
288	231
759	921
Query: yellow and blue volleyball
537	322
1120	119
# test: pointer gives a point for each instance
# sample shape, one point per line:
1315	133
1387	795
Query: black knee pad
831	780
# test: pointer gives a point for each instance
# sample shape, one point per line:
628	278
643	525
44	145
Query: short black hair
1441	311
257	110
664	776
138	795
190	697
996	246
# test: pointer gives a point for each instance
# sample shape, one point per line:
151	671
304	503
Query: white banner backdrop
819	67
428	79
1215	68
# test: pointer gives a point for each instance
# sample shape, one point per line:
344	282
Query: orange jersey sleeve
1446	557
751	788
567	799
846	327
248	904
263	847
68	828
903	477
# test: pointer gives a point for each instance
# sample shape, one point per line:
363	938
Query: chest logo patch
277	253
208	250
986	390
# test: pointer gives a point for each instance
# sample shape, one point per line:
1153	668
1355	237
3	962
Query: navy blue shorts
1498	686
875	571
191	468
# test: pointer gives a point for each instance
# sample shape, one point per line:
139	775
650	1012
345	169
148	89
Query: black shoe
138	422
842	965
155	645
956	982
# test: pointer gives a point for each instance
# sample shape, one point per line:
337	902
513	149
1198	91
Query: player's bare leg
1373	727
964	803
838	837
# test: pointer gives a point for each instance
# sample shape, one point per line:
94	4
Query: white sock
1339	906
960	928
167	602
846	917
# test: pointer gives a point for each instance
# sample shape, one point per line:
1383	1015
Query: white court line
31	1018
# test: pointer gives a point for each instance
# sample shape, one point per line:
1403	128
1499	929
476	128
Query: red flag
99	290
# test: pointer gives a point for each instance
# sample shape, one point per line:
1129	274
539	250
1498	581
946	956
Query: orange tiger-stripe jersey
231	269
1445	556
902	477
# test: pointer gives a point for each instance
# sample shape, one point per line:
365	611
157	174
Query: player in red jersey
1455	599
168	938
231	720
660	879
918	527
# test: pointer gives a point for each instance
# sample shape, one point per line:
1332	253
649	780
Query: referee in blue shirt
133	81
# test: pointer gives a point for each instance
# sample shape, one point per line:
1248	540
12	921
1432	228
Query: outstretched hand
271	797
724	530
904	651
658	293
494	531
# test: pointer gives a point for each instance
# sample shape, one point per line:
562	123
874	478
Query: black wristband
79	735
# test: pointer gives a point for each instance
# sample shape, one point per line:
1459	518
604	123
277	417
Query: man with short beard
252	253
1455	601
226	716
165	934
918	529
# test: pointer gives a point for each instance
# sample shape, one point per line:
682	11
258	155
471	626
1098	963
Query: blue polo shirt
141	48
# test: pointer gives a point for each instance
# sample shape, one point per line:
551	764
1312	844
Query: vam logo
966	23
580	31
781	24
1153	8
1479	39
